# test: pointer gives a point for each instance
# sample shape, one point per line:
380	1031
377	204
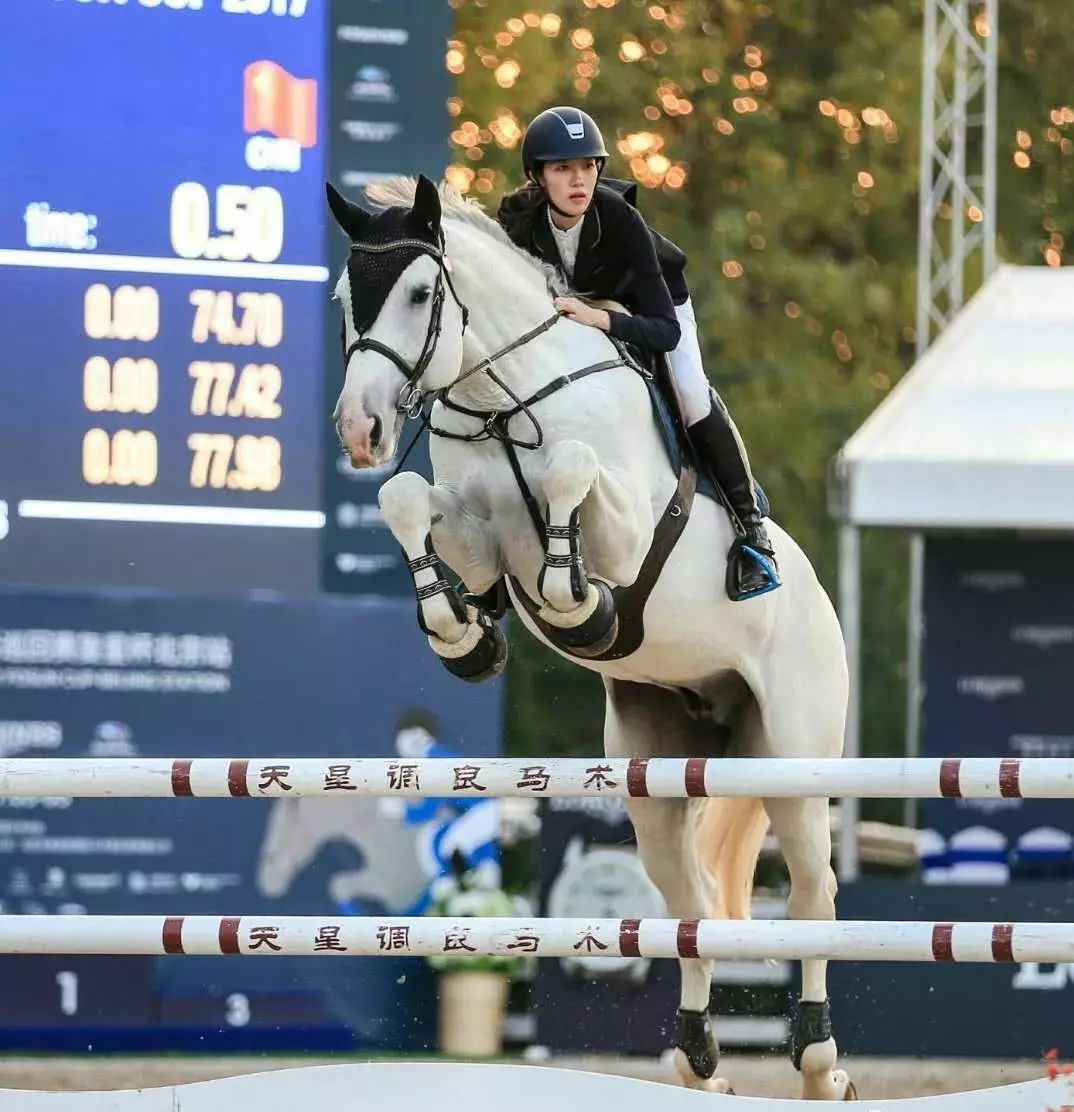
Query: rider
589	228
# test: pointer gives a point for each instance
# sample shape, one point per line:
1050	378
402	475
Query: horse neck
507	298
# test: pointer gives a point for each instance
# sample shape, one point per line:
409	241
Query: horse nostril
375	434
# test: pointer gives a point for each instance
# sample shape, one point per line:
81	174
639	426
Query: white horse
550	471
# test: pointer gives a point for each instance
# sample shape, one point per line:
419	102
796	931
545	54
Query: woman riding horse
550	474
569	217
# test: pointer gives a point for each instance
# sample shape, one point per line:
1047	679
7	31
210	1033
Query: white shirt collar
567	242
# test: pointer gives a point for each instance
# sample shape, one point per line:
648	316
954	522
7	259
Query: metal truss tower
957	215
956	241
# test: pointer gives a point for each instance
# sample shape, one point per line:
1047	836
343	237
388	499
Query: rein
495	423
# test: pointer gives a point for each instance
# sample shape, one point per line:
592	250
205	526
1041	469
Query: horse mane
399	192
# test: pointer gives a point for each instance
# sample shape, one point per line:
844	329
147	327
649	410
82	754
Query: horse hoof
834	1085
820	1079
718	1085
690	1080
486	660
598	632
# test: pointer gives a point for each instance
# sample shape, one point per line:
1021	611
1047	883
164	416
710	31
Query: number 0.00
123	459
128	386
127	313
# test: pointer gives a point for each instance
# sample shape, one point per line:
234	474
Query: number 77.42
255	393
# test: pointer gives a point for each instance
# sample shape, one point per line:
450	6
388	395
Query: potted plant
473	987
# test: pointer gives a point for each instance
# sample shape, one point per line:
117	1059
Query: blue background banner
1004	1011
997	666
147	674
108	107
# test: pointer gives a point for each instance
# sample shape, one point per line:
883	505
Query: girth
630	600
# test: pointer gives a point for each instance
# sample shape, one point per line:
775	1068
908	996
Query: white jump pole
488	777
724	940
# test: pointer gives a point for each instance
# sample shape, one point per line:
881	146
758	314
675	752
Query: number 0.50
249	222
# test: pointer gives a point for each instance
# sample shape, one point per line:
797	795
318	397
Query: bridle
410	399
494	422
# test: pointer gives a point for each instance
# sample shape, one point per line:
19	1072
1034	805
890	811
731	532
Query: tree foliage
778	144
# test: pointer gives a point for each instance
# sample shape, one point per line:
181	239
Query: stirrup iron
744	557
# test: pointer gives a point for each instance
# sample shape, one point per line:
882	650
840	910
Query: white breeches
687	368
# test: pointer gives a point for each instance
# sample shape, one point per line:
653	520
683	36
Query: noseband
409	401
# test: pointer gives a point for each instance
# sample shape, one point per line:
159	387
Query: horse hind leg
801	713
639	721
665	833
804	834
802	827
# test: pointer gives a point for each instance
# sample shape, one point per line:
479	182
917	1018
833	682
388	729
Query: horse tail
729	838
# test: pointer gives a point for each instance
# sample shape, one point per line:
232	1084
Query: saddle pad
677	447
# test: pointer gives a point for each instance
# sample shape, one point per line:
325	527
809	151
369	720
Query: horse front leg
579	490
467	640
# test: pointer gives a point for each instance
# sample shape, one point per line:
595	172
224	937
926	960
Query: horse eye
420	295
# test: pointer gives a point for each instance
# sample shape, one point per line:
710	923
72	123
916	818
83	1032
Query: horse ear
350	217
426	210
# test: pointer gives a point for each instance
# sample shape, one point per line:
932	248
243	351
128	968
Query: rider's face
570	184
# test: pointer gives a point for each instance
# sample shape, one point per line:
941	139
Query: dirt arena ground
876	1078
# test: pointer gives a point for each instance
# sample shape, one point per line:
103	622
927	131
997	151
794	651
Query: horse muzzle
361	437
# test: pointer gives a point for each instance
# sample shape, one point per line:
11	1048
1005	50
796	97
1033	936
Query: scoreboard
168	364
168	351
163	290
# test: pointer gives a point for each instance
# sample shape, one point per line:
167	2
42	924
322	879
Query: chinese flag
276	102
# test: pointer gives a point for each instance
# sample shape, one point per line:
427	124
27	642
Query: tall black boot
751	563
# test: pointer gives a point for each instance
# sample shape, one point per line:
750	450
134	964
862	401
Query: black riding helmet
560	133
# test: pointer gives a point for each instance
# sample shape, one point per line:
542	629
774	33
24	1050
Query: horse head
403	323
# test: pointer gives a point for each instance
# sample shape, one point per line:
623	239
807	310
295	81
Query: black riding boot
751	563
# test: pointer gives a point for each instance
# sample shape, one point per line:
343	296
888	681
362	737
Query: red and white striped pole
489	777
724	940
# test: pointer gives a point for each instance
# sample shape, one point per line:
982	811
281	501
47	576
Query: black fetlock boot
751	561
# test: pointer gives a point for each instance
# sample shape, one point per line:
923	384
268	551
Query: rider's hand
582	313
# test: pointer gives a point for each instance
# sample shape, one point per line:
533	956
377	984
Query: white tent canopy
980	433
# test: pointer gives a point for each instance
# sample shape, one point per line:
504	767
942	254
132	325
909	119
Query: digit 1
68	983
